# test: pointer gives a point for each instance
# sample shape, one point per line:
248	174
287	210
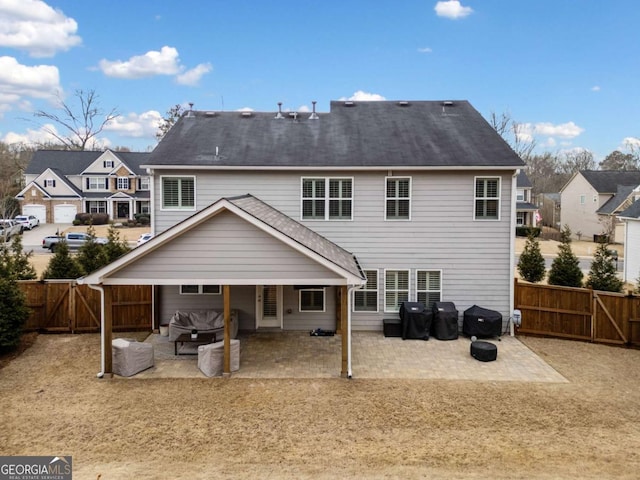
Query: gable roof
617	200
633	212
353	134
522	181
607	181
73	162
302	239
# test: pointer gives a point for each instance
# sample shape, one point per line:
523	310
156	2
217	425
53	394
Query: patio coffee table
202	339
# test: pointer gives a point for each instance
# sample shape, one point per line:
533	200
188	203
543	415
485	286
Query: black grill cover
415	320
445	321
481	322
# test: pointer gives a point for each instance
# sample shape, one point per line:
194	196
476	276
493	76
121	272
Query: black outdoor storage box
481	322
416	320
445	321
391	327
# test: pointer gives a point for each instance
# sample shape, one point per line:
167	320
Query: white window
312	300
520	195
365	299
487	198
49	182
143	207
123	183
398	198
583	199
520	217
96	183
429	287
396	286
327	198
108	164
97	207
200	290
178	193
143	183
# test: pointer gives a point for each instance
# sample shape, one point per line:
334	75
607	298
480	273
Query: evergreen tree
13	313
565	269
115	247
92	255
15	263
62	265
603	275
531	264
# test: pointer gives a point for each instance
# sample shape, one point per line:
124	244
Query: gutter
102	333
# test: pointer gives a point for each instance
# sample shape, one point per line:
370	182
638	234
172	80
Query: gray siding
474	256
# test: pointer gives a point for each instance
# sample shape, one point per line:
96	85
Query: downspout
349	290
102	359
512	252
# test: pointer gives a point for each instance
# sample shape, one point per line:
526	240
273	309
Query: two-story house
592	199
527	214
328	220
59	184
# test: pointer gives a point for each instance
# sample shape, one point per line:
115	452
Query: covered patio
235	242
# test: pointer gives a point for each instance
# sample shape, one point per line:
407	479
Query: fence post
594	305
72	306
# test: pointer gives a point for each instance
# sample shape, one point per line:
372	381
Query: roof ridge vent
314	115
247	114
403	103
445	104
209	114
279	115
349	103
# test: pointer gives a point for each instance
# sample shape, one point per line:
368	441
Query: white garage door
64	213
38	211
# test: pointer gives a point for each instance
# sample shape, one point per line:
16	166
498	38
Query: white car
144	238
27	221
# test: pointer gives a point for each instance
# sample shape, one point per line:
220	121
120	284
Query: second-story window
143	183
96	183
178	192
49	182
327	198
123	183
398	198
487	199
108	164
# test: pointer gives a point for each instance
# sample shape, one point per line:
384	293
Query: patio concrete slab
299	355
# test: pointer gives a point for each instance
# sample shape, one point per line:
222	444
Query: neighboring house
549	207
527	214
328	220
631	216
60	183
592	199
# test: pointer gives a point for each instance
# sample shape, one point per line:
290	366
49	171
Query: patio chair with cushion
131	357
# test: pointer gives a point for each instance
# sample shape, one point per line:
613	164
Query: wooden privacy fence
578	313
63	306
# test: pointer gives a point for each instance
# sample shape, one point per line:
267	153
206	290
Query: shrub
62	265
91	219
76	222
531	264
603	275
13	313
526	231
565	269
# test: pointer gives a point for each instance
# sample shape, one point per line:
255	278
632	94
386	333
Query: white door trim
273	321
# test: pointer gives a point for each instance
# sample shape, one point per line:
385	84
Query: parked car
144	238
8	229
74	239
27	221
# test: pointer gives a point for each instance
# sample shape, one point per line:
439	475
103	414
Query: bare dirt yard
53	404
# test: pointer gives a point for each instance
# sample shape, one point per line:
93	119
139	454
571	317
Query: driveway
32	239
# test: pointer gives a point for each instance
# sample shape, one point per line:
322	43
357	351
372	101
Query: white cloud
364	96
425	50
631	143
32	137
452	9
18	83
595	88
35	27
192	77
164	62
144	125
563	130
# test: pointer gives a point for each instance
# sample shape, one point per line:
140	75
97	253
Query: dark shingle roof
633	211
365	134
523	181
72	162
611	205
607	181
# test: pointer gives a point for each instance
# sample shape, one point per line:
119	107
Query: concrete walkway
299	355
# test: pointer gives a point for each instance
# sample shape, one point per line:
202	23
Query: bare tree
617	160
576	160
82	122
171	117
514	134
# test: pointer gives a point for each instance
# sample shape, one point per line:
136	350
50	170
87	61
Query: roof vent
293	115
314	115
247	114
190	111
446	104
403	103
349	103
209	114
279	114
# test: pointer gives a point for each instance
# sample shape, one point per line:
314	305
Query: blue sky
567	70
